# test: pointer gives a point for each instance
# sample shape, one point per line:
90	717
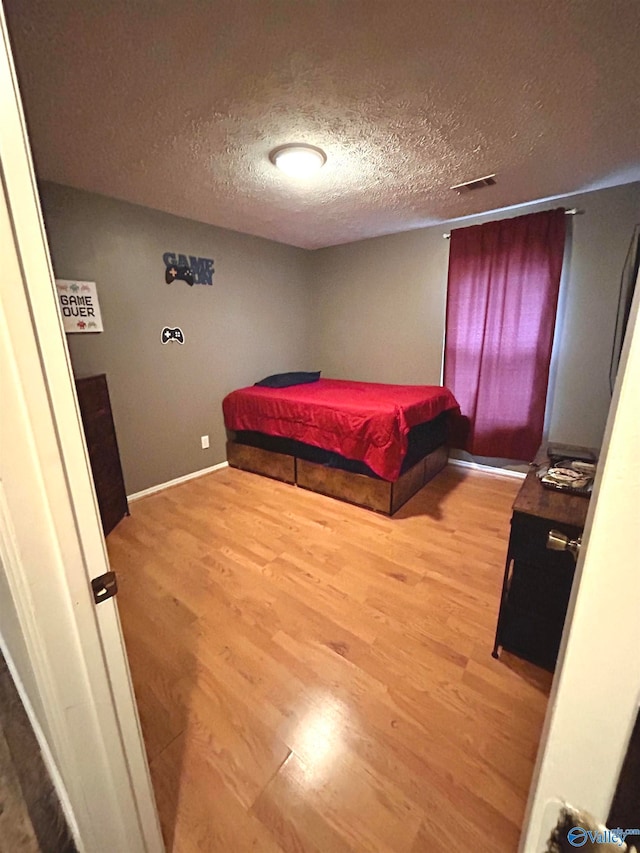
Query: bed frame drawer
370	492
355	488
276	465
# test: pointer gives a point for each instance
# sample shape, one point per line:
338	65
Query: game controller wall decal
169	335
187	268
182	273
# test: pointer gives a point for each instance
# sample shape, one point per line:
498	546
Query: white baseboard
487	469
460	463
161	486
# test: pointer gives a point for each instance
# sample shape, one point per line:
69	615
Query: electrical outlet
204	441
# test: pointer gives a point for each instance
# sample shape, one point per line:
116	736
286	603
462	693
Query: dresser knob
557	541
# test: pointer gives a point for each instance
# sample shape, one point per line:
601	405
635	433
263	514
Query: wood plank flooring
314	677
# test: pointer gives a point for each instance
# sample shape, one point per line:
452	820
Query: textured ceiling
175	104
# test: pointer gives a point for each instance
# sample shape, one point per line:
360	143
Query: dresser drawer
542	589
528	541
531	636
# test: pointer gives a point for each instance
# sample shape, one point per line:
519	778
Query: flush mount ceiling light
298	160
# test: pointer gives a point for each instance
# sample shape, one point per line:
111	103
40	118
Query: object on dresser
568	476
557	452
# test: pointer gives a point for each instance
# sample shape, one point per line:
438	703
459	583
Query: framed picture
79	306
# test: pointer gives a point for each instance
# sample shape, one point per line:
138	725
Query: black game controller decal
172	335
173	272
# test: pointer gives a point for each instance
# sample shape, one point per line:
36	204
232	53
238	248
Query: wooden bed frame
379	495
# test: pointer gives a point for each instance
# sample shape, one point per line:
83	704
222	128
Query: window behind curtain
502	297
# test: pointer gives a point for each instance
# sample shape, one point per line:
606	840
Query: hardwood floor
312	676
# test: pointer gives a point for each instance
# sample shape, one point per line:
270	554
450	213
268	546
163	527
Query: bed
368	443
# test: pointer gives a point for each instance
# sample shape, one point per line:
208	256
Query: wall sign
169	335
187	268
79	306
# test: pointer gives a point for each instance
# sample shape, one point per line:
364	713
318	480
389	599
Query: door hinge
106	586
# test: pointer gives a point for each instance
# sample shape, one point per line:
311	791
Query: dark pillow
284	380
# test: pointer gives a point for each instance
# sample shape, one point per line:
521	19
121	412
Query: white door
596	688
66	652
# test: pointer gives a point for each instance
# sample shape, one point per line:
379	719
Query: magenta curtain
502	297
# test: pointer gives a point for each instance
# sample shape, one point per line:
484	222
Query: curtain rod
569	211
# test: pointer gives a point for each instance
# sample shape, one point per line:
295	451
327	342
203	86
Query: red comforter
360	420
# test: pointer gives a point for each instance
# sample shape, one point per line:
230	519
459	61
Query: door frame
70	656
67	654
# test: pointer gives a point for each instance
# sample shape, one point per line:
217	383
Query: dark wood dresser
537	582
100	434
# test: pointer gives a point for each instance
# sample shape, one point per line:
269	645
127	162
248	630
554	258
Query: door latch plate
106	586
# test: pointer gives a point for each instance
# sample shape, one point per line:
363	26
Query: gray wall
587	314
253	321
371	311
379	308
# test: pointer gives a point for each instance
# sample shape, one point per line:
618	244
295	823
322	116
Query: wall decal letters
188	268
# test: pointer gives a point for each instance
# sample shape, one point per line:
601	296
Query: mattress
363	422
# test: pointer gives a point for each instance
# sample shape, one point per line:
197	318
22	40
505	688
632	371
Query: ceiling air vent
477	184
